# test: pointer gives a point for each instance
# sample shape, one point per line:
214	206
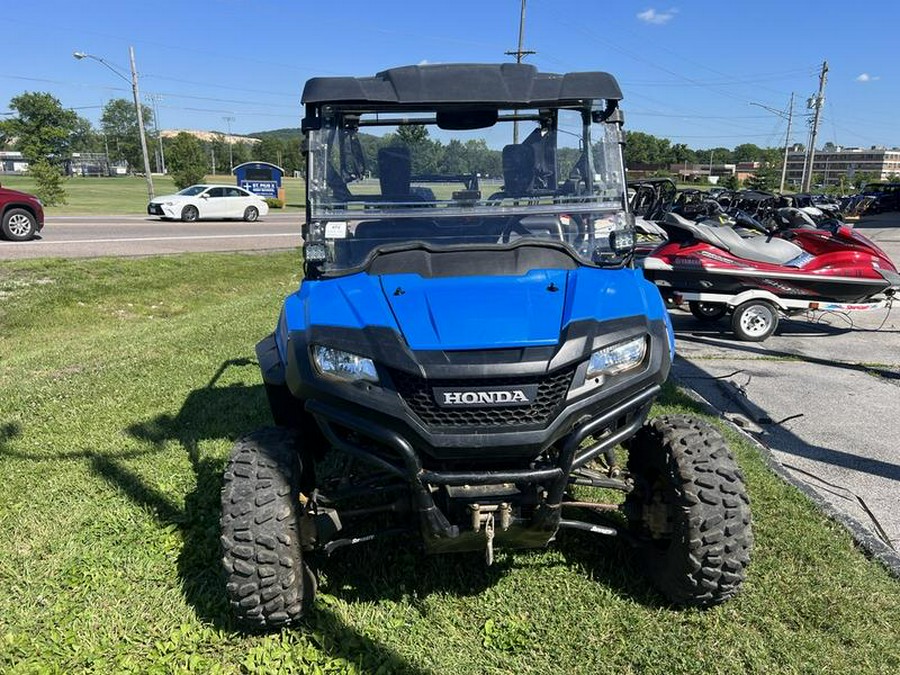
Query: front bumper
160	210
481	437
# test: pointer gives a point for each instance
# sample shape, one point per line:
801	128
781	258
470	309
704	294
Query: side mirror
204	196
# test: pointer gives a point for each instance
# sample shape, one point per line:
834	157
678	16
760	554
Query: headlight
343	365
617	358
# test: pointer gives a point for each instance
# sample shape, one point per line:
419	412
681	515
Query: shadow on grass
8	431
215	412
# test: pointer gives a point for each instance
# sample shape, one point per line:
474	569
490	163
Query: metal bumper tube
420	480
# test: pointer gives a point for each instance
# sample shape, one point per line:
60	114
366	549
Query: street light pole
137	106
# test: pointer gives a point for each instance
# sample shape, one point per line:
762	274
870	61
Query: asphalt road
95	236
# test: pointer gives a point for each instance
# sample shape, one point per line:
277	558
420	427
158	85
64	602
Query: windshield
388	179
192	190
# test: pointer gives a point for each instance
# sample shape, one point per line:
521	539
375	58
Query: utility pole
228	120
816	104
789	116
155	99
787	142
137	105
140	120
519	53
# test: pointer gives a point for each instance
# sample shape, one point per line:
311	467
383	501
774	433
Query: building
695	173
12	162
837	164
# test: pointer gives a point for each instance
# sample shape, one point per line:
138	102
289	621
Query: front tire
18	225
754	320
267	582
190	214
251	214
689	511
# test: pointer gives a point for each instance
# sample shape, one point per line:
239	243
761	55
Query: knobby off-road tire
267	581
689	510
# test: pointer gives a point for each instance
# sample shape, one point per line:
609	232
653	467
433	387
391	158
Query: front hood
468	313
16	194
169	198
479	312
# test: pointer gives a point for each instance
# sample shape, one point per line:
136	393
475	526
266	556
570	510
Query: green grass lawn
127	195
122	386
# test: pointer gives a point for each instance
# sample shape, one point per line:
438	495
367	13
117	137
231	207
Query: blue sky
689	70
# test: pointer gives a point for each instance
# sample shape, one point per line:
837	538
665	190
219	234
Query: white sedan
209	202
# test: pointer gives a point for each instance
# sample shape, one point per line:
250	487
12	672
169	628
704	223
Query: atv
471	354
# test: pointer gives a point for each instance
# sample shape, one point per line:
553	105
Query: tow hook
488	516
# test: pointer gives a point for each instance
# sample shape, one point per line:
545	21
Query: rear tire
707	312
754	320
190	214
18	225
251	214
267	581
689	511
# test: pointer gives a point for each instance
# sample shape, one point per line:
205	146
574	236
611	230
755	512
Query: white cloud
865	77
657	18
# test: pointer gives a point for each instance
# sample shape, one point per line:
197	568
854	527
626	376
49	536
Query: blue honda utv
471	353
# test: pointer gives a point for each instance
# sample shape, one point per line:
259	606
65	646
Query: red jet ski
717	270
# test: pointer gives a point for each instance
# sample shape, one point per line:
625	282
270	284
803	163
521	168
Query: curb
862	537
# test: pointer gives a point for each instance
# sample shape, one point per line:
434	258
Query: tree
764	179
641	148
42	128
84	138
731	182
747	152
186	160
119	123
48	182
412	134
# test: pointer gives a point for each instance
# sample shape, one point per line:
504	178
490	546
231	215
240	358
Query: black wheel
18	225
754	320
707	311
251	214
190	214
267	581
689	511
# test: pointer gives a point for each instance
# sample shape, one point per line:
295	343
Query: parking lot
823	394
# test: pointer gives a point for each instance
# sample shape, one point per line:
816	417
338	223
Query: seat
395	176
394	171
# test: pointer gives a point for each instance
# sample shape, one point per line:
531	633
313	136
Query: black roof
492	84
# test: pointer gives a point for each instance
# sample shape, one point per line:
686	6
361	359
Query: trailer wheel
267	582
689	511
754	320
707	311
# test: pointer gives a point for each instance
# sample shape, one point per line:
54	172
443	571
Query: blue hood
478	312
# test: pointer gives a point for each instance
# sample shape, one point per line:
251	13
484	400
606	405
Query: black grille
417	393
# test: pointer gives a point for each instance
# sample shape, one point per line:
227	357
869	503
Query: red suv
21	215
